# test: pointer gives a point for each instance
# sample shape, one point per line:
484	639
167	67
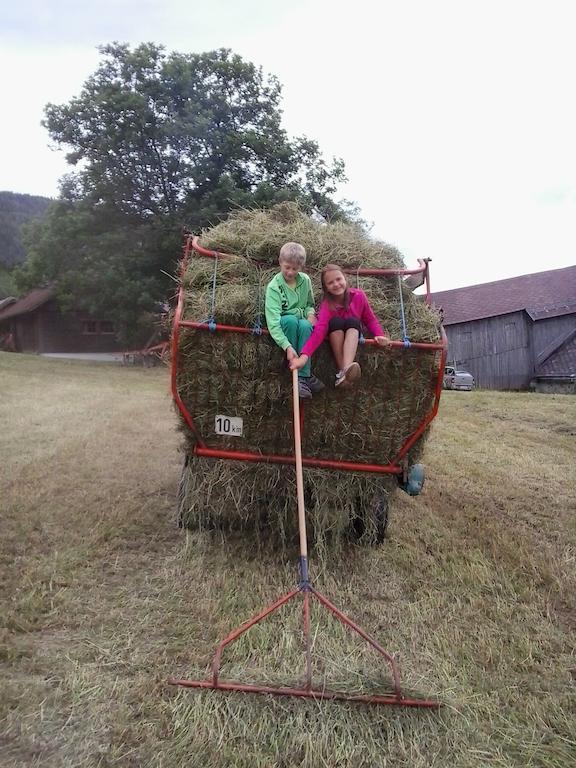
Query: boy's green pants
297	332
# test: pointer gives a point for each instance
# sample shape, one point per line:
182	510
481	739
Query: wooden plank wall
495	350
501	352
64	332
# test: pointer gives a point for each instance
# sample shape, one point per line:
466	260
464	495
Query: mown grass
104	598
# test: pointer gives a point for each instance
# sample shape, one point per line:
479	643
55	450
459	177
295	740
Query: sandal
353	372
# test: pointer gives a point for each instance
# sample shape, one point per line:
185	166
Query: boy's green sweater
283	300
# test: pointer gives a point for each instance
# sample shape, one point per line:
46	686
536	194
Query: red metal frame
304	587
308	691
192	242
201	449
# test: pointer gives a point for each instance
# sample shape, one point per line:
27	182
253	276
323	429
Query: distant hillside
16	210
7	285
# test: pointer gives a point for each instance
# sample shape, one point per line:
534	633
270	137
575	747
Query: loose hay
244	375
241	496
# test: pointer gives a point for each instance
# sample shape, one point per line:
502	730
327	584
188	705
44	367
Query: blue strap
257	327
212	317
361	339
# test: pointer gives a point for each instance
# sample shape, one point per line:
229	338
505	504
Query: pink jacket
358	308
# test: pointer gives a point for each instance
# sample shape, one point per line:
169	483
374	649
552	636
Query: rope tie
361	338
211	321
405	337
257	327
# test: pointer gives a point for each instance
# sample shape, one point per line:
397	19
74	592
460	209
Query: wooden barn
35	323
516	333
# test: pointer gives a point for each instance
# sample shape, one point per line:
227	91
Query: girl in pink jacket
342	313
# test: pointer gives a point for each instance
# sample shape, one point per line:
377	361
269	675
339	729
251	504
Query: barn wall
555	386
25	330
68	332
497	351
548	330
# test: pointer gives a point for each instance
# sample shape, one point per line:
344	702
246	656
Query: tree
103	261
16	210
161	141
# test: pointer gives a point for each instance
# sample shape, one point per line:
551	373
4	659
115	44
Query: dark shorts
344	324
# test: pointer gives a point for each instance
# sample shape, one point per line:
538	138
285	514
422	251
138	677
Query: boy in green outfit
290	312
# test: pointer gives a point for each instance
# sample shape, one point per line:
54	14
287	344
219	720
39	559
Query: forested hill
16	210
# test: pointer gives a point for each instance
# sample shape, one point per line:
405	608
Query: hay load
243	376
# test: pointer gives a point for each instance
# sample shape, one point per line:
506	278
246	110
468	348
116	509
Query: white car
455	379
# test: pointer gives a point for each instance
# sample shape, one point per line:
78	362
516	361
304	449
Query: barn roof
542	294
8	300
28	303
560	358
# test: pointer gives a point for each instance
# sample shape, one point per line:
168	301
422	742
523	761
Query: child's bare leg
337	344
350	347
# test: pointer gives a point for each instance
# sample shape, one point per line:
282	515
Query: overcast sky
456	118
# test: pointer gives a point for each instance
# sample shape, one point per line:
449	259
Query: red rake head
306	590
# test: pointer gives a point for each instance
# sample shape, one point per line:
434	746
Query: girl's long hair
327	295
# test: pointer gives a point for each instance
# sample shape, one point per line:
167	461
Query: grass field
103	598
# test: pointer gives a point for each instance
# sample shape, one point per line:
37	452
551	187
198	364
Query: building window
89	326
510	334
465	344
98	326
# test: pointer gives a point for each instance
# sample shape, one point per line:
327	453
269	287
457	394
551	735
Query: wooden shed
35	323
510	333
556	366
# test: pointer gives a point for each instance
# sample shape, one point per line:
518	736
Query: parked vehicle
456	379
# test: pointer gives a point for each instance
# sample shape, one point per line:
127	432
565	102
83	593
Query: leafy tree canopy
160	141
15	211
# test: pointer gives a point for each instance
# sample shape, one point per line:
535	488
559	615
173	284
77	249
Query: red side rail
200	449
192	242
437	392
175	339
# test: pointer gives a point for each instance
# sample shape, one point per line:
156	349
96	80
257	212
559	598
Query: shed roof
562	360
541	294
8	300
28	303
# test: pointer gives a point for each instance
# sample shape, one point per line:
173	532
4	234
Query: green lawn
104	598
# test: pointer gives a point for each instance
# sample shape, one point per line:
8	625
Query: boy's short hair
294	253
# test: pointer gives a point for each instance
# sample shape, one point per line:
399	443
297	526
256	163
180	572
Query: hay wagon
233	392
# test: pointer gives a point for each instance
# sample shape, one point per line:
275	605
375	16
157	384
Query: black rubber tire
380	512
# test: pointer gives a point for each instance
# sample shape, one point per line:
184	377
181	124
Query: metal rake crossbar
306	590
308	691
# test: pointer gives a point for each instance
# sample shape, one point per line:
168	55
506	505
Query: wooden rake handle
299	473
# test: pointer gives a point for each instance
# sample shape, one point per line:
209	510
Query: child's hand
383	341
298	362
291	354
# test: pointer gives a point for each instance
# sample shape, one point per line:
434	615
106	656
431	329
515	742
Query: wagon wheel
413	482
381	513
377	513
